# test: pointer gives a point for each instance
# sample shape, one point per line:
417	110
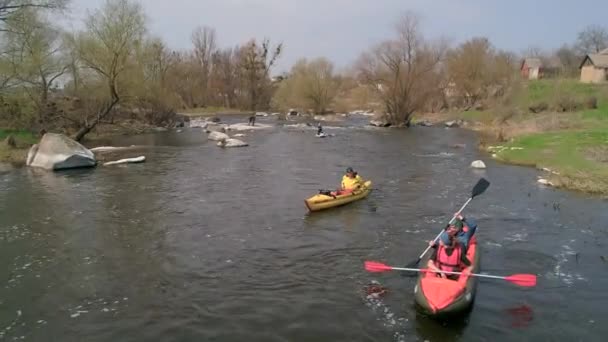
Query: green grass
567	152
21	136
550	90
24	140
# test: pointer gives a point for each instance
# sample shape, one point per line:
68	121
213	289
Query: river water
208	244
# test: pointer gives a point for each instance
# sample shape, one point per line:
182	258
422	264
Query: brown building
594	68
531	68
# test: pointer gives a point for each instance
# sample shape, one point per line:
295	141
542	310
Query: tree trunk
89	126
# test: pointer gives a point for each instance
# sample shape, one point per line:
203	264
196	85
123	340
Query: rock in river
231	143
58	152
217	136
478	164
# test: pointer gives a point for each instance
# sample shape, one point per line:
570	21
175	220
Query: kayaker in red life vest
450	257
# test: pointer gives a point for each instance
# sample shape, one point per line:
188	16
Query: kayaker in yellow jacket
350	181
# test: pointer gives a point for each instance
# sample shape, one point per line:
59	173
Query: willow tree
106	47
403	71
9	8
34	46
11	25
311	84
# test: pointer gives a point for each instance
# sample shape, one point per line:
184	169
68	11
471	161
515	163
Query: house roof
532	63
599	60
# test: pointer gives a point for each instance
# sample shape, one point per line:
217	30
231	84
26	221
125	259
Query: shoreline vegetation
133	82
570	146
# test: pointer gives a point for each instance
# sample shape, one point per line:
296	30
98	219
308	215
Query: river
208	244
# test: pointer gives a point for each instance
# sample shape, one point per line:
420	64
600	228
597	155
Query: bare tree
9	8
592	39
106	48
569	59
534	51
403	71
224	78
204	41
255	62
468	68
35	56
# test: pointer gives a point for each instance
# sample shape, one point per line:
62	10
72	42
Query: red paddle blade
372	266
527	280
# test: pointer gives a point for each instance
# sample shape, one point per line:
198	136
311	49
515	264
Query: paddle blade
527	280
372	266
480	187
413	264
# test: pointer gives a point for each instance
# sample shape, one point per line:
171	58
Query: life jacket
449	263
350	183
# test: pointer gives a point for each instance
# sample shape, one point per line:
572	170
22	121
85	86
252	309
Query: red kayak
438	296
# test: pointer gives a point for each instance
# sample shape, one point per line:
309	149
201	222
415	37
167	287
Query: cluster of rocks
58	152
217	131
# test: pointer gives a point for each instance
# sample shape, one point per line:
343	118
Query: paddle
526	280
478	189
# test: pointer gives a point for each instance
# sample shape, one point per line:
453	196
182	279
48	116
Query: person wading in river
252	120
450	257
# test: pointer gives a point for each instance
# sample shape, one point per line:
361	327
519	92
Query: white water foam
388	318
517	237
562	258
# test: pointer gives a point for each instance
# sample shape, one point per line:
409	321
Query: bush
566	103
539	107
591	102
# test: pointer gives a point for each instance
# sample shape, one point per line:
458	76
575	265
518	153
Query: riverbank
23	139
572	145
15	152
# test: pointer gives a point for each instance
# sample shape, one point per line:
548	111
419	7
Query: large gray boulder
58	152
217	136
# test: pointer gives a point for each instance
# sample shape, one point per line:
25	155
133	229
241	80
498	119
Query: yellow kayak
321	201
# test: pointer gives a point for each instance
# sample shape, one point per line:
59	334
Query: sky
341	29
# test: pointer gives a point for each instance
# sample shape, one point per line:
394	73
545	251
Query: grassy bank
15	155
578	158
574	144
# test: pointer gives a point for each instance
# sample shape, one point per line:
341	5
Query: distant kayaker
449	257
319	129
462	228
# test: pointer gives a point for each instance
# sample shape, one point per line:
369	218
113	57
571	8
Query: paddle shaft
446	272
438	235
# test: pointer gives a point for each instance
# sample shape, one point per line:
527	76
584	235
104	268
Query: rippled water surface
207	244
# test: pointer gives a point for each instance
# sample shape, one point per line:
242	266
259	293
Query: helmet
349	170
